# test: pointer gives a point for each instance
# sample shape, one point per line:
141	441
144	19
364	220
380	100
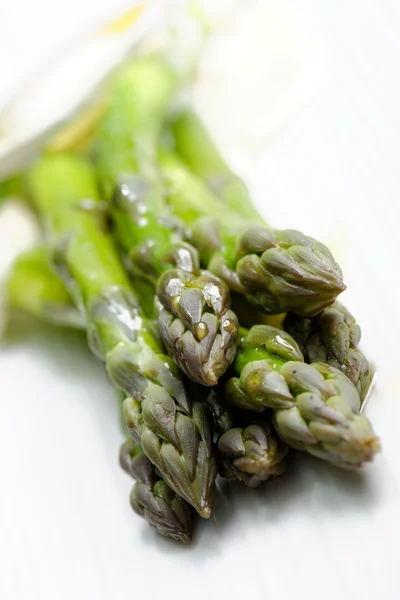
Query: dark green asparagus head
252	454
324	419
333	337
152	499
330	334
178	442
278	271
167	512
197	324
287	271
316	406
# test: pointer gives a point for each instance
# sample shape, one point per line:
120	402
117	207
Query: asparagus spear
152	499
316	407
332	337
250	454
196	322
33	288
174	432
277	270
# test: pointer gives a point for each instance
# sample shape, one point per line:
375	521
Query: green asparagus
196	322
152	499
33	288
174	433
11	188
196	148
278	271
251	454
332	337
40	293
248	447
316	407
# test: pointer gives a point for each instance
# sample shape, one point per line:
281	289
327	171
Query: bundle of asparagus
150	247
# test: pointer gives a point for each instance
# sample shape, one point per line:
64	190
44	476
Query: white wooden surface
66	529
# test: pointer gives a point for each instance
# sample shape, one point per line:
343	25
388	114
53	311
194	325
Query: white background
66	529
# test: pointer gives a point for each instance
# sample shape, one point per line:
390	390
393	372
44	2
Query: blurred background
304	97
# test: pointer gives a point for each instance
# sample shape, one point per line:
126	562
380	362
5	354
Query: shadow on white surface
239	511
72	509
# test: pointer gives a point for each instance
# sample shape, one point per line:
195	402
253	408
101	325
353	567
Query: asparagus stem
11	188
195	146
196	322
174	432
33	288
316	407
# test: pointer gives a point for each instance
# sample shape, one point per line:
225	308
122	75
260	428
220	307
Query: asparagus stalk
174	432
196	322
194	145
11	188
333	337
152	499
33	288
316	407
279	271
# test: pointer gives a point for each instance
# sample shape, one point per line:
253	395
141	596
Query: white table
66	528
